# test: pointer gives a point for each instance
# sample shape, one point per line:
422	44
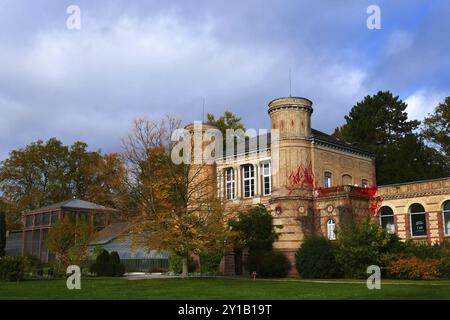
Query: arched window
387	219
446	214
347	180
249	180
418	220
230	184
327	180
331	226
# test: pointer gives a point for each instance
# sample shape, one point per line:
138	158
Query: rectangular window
36	242
327	180
267	179
54	217
249	181
29	220
230	184
418	224
44	253
46	219
38	219
28	242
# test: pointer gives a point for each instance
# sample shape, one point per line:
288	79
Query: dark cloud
149	58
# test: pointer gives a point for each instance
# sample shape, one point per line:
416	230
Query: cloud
423	102
145	58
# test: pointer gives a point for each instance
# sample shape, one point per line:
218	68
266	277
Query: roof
115	238
326	139
72	204
263	142
110	232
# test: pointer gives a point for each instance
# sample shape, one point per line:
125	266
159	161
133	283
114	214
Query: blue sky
150	58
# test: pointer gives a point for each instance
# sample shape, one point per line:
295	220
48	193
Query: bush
423	250
119	270
176	264
210	262
414	268
12	268
316	259
270	264
363	244
444	268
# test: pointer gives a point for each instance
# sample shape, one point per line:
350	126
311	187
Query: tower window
249	181
267	178
331	226
418	220
327	180
230	184
364	183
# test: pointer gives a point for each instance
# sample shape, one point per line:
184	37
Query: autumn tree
47	172
69	241
2	233
178	209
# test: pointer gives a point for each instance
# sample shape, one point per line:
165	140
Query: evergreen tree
380	124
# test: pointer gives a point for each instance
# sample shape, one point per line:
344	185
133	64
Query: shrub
316	259
210	262
12	268
363	244
270	264
119	270
102	266
444	268
414	268
176	265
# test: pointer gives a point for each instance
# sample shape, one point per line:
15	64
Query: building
38	222
313	182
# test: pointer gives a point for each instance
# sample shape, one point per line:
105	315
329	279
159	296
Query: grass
222	288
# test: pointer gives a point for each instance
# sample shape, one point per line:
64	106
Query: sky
149	58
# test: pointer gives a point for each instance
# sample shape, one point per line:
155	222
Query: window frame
444	212
230	182
387	216
250	179
329	229
266	178
411	214
327	174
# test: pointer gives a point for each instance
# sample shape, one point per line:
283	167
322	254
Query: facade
313	182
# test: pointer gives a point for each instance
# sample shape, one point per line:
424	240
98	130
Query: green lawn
220	288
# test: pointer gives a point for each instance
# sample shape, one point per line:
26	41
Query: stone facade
313	182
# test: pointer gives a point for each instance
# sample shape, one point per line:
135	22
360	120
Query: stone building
312	182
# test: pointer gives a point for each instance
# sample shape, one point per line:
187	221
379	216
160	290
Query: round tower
290	120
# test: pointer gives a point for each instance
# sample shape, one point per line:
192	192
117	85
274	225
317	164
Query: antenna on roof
290	83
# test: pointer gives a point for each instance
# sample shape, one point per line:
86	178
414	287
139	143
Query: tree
376	121
436	128
228	121
69	241
178	208
2	233
43	173
362	244
380	124
254	229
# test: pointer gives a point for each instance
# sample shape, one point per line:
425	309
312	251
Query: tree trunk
184	260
